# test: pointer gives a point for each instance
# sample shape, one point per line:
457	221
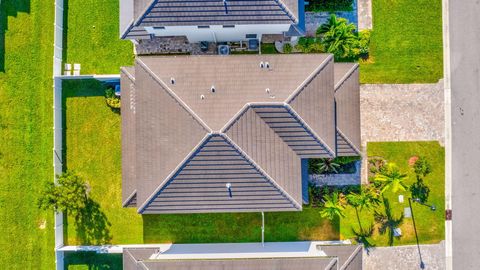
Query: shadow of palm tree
92	225
362	235
388	223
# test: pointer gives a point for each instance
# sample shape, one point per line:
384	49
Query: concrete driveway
402	112
405	257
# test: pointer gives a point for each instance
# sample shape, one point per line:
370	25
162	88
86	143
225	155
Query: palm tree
391	179
367	198
332	207
324	165
339	37
388	223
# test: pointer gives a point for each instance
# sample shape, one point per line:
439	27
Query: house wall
218	33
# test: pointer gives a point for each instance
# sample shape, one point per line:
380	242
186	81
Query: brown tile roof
347	257
190	142
347	97
237	79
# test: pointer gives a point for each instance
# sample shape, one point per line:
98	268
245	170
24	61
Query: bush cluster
112	100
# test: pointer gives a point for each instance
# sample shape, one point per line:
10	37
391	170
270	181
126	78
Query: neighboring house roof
182	142
252	256
200	12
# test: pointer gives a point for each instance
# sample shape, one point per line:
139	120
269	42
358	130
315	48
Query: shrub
323	166
111	99
287	48
422	167
329	5
346	160
364	41
309	45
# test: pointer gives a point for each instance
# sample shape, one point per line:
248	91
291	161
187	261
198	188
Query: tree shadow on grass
92	225
388	222
9	8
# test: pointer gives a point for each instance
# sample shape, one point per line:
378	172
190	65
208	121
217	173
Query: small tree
70	194
422	167
391	179
366	199
332	207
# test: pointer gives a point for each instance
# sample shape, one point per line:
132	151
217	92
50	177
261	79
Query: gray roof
347	97
182	143
201	12
199	257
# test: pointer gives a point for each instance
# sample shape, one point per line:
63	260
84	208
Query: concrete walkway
405	257
402	112
365	19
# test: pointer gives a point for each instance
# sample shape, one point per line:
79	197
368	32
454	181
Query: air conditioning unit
223	50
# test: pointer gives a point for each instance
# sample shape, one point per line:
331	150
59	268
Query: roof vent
267	65
267	90
272	96
202	97
212	88
229	189
261	65
172	80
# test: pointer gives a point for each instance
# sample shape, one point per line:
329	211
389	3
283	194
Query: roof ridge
287	10
351	257
348	141
346	76
309	79
129	198
245	107
125	71
137	21
174	96
174	171
262	171
317	137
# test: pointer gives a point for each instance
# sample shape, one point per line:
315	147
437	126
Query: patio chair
68	69
76	69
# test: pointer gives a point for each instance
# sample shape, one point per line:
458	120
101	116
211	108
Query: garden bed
430	224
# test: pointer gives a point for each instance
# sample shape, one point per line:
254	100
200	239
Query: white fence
57	123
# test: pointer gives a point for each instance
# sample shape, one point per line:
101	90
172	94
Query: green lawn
430	225
268	48
93	151
406	42
92	37
26	53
